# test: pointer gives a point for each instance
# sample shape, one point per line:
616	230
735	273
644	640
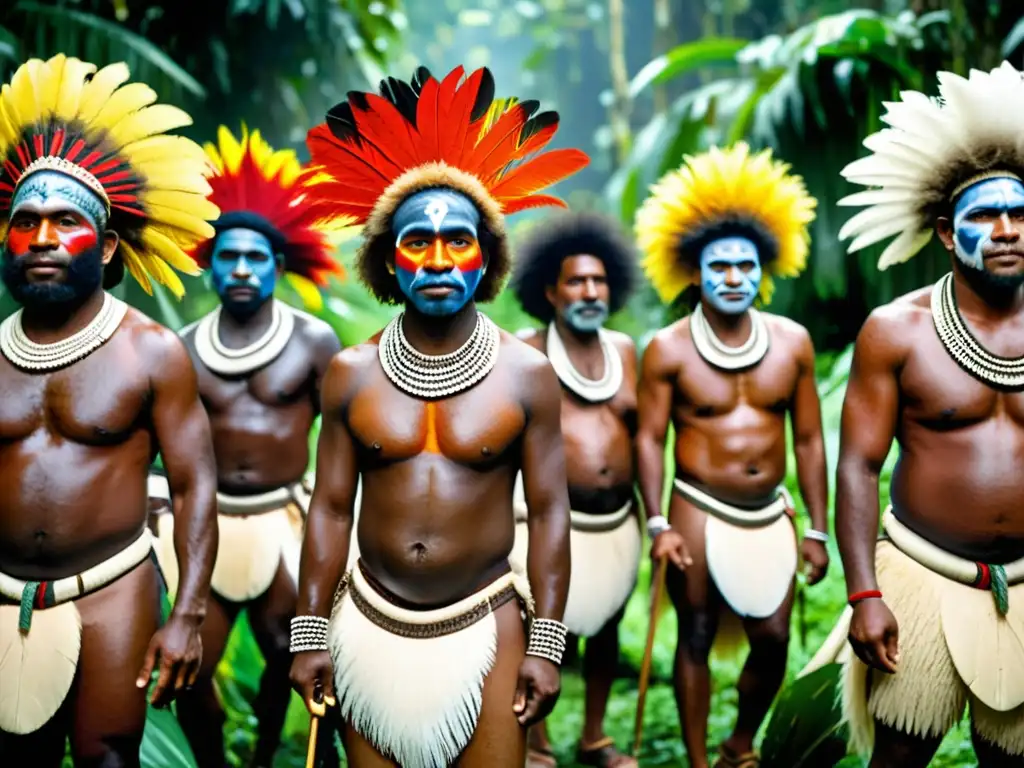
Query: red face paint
72	239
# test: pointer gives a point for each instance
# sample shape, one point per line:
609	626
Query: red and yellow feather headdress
63	115
374	151
267	190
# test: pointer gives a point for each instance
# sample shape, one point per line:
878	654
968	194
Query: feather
72	88
307	290
879	232
517	204
149	121
908	244
123	103
342	122
541	172
464	105
427	114
99	89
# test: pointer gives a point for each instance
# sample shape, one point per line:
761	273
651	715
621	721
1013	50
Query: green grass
239	672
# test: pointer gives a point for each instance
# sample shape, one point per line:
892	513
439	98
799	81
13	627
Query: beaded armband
308	633
547	640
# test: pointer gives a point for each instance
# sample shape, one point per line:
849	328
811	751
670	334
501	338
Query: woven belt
743	518
476	611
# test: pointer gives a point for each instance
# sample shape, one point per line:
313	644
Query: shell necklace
721	355
592	390
26	354
434	376
234	362
956	337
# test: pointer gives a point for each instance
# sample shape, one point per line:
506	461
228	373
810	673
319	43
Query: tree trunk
619	108
664	40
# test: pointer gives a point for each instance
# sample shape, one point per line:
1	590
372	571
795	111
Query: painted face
581	295
438	261
244	270
730	274
988	226
53	252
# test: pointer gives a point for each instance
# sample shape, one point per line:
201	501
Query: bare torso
731	427
961	442
261	421
436	519
75	447
598	437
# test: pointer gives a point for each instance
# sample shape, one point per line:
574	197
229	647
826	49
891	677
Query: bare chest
285	381
707	391
475	427
938	393
94	402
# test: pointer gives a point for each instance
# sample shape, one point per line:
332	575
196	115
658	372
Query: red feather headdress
259	188
374	151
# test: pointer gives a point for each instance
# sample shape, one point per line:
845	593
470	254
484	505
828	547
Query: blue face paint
244	270
730	274
977	211
438	261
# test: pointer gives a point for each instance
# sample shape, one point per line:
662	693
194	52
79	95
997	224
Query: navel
753	470
419	551
704	410
948	414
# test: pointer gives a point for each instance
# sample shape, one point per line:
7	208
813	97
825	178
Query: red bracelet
867	594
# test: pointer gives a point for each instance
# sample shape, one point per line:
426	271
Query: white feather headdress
934	149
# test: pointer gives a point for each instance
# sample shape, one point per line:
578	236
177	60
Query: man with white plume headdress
935	617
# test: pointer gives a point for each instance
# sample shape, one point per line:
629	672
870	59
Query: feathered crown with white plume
933	150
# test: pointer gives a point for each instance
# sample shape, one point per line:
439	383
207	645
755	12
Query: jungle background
638	83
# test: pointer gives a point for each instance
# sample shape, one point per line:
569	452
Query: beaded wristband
814	535
308	633
657	524
547	640
867	594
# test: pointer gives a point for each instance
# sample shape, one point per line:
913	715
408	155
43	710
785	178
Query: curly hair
539	259
767	248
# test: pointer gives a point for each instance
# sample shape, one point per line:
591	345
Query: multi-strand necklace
592	390
956	337
234	362
26	354
721	355
435	376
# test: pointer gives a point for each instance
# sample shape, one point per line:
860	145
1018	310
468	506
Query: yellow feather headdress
269	191
63	115
714	191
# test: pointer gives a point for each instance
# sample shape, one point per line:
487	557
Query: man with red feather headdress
433	649
260	365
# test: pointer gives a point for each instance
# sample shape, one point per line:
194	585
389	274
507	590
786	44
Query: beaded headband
68	168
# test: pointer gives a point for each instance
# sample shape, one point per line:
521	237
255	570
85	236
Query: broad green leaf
118	34
686	58
163	743
1013	40
805	729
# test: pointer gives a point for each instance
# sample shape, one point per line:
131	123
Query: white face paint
730	274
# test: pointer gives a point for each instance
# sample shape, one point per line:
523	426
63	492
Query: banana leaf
163	743
805	730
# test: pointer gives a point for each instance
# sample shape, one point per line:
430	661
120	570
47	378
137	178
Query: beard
989	282
585	316
82	277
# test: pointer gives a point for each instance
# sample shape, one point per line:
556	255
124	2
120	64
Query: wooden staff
314	727
645	666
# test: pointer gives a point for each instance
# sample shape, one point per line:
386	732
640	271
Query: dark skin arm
183	435
328	531
870	417
809	447
654	409
548	563
325	345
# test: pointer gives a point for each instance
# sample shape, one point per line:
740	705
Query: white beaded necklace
592	390
26	354
435	376
234	362
721	355
956	337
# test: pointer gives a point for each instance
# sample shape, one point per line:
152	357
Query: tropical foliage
638	85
